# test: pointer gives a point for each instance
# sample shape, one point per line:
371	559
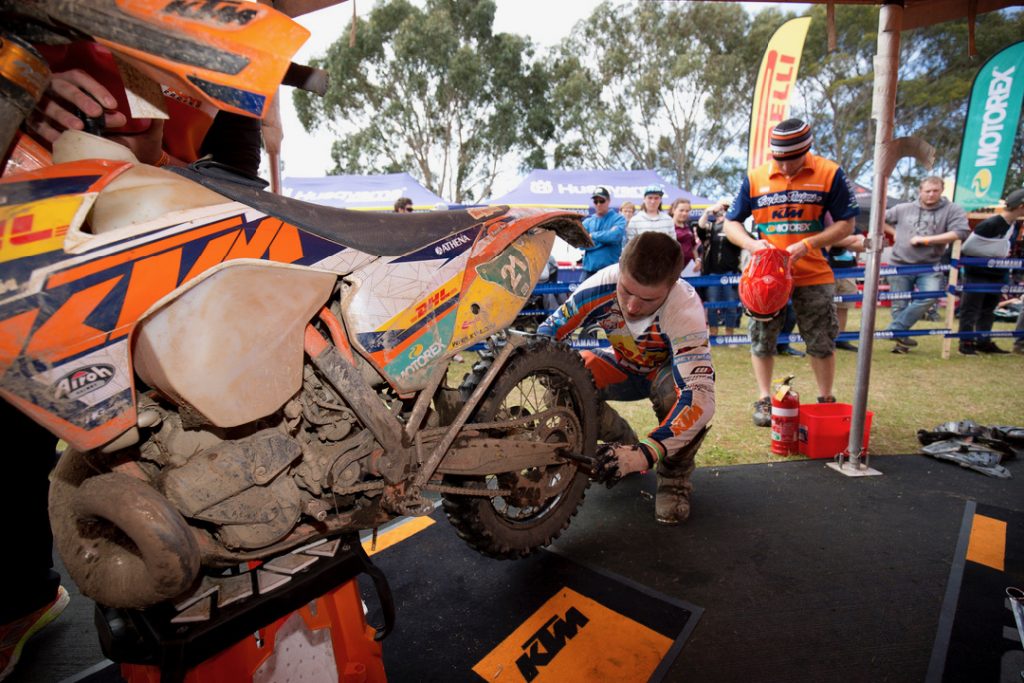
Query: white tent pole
884	113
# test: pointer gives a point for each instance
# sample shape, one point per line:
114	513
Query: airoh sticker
82	381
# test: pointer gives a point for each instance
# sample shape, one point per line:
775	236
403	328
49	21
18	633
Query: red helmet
766	283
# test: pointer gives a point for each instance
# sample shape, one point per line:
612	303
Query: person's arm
612	233
958	229
854	242
592	293
694	375
738	212
826	238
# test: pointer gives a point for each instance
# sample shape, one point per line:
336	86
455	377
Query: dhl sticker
36	228
571	638
435	299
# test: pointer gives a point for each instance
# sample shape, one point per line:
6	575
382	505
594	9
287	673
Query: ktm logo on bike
99	301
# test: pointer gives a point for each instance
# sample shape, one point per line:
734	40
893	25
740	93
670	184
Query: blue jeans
906	312
730	317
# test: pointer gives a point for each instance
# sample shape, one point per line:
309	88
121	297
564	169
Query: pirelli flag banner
991	124
775	80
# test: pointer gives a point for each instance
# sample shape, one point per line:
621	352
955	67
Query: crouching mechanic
659	350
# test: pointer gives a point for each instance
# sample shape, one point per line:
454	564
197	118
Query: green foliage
659	85
432	91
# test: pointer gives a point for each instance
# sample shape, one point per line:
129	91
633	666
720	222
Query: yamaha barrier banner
775	81
991	124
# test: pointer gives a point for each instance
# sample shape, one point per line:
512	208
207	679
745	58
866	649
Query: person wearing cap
650	217
977	309
788	197
607	227
659	351
921	232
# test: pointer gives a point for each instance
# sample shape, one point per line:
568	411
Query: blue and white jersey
676	333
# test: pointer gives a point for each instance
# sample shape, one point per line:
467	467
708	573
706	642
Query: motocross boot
613	428
672	497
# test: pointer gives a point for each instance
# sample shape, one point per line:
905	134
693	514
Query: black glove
615	461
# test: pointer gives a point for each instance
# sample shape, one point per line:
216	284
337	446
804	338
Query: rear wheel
541	500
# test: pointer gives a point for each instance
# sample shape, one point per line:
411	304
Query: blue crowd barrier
840	273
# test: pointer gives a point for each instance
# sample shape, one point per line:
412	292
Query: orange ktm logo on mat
572	637
122	286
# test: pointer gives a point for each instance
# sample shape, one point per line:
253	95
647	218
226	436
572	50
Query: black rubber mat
977	639
465	617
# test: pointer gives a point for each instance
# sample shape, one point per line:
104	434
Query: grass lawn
907	392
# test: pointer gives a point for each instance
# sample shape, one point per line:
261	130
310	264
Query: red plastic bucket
824	429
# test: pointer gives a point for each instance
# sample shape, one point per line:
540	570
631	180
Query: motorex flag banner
992	118
775	80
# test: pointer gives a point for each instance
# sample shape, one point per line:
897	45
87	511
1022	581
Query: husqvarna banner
775	80
991	124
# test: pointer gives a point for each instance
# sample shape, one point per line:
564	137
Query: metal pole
884	112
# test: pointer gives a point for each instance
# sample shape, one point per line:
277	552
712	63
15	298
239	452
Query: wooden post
954	275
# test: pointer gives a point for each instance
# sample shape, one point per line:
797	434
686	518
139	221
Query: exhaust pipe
122	542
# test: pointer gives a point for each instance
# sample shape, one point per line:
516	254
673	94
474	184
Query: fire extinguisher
785	418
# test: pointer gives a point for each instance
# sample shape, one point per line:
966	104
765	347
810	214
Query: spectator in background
841	255
627	210
977	309
403	205
687	238
788	198
651	217
719	257
920	231
607	228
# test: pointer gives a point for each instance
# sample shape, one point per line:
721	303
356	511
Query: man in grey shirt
650	217
921	231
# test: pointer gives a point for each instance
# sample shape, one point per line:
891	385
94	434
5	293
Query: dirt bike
238	374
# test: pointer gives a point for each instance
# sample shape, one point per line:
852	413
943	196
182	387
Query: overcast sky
306	154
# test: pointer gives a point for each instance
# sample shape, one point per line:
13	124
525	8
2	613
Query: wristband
807	243
163	160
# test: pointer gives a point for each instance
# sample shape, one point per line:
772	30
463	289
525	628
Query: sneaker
826	399
900	348
1018	349
846	346
967	349
989	346
906	341
14	635
790	351
763	412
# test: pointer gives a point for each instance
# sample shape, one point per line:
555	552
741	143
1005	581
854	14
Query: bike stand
299	614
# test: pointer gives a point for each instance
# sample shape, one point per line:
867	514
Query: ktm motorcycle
238	374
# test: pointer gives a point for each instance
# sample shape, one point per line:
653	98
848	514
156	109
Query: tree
936	74
660	85
836	87
434	92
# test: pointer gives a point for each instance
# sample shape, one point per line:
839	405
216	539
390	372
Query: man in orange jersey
788	198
